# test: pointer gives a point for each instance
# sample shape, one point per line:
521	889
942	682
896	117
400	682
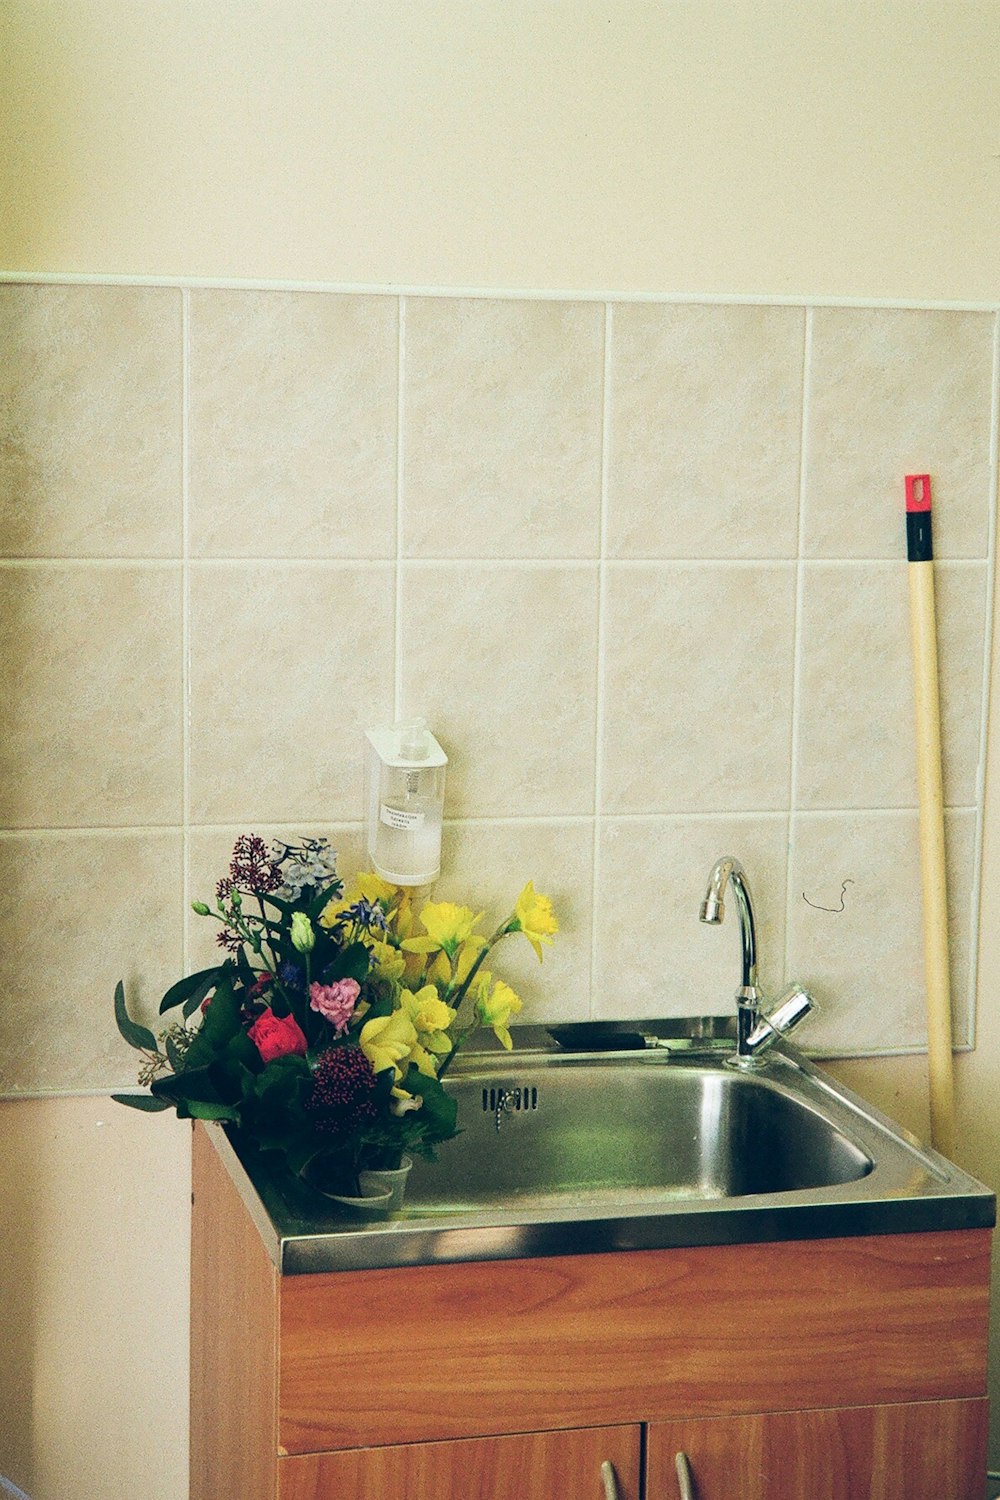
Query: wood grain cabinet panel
603	1339
931	1450
545	1465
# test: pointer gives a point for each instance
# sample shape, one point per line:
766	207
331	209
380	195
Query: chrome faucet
756	1030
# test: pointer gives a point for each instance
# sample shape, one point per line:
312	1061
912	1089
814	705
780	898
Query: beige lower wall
94	1237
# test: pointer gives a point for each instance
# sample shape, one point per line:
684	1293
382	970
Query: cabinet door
921	1451
530	1466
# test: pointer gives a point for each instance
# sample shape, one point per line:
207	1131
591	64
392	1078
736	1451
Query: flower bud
200	909
303	936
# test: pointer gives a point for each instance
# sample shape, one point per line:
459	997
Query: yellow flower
447	927
496	1007
533	915
431	1018
374	888
387	961
388	1041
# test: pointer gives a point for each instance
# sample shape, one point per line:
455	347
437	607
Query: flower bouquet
325	1033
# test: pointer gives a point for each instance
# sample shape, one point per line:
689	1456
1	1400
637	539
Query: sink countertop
905	1188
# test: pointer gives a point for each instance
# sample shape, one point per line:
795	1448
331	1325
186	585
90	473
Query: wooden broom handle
930	793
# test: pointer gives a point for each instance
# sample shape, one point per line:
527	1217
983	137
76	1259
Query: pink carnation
335	1002
277	1036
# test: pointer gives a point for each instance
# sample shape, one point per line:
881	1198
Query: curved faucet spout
725	871
757	1027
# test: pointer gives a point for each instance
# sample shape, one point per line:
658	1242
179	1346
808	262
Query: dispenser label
395	817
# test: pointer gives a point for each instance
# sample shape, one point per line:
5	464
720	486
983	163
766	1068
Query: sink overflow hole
505	1100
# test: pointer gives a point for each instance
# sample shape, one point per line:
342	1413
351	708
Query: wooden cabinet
566	1465
924	1450
828	1367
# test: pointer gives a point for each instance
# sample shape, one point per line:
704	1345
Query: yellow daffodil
533	915
495	1007
430	1015
388	1041
387	961
447	927
431	1018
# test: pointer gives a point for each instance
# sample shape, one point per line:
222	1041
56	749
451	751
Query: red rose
277	1036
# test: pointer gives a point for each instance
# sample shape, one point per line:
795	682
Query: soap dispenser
404	774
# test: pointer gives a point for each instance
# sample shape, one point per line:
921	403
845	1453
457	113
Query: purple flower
341	1097
365	913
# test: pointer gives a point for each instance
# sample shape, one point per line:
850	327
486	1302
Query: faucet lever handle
792	1006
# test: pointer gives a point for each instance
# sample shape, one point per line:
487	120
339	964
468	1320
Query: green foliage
139	1037
190	992
145	1102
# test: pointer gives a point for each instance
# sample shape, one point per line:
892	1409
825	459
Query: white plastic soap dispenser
404	775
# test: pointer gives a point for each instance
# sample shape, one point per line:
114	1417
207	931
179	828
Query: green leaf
194	984
350	963
145	1102
202	1109
245	973
137	1036
197	1084
440	1110
222	1018
321	901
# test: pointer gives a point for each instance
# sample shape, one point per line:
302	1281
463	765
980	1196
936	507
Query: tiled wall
639	564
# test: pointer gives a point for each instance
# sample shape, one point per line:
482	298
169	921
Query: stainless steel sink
564	1152
591	1133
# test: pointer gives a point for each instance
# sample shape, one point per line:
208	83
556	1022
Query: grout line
500	294
800	573
28	563
602	601
186	623
977	874
579	564
397	689
543	820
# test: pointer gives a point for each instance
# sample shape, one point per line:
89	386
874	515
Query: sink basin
584	1132
565	1152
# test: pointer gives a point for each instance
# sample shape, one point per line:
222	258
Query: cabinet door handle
684	1480
609	1480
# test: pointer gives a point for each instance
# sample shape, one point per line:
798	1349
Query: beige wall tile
90	421
83	910
856	741
501	661
486	865
698	687
502	428
895	392
289	665
90	682
865	964
293	424
706	414
654	956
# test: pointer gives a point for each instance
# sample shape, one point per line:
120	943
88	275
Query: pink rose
335	1001
277	1036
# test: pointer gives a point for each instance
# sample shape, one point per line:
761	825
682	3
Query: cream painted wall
830	149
